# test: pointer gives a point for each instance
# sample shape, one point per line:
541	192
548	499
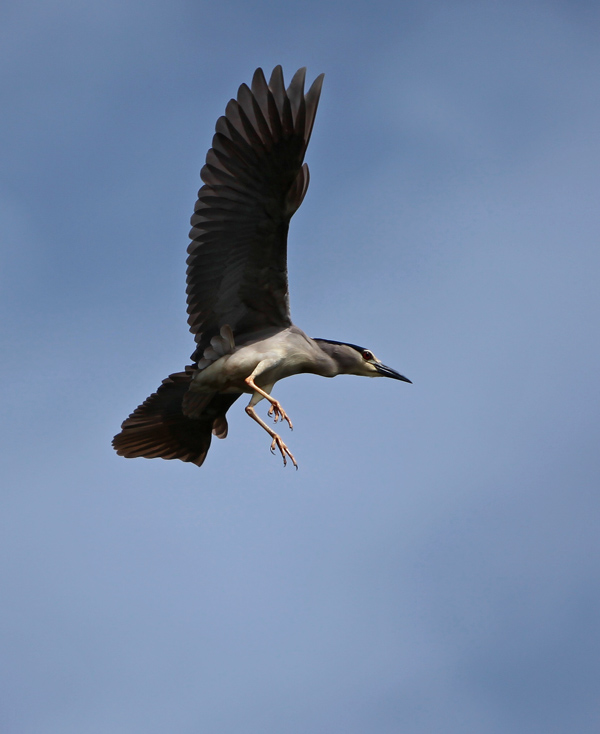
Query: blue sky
433	565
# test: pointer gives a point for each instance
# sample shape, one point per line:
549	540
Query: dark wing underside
254	182
159	429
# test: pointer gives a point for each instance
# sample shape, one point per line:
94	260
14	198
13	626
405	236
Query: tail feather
158	427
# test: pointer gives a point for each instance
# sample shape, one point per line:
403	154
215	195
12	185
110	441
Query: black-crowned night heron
237	288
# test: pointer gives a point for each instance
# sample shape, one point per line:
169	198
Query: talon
276	439
283	449
277	412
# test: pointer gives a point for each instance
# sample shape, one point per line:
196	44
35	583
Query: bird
254	180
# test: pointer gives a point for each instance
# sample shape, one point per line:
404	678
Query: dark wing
158	427
254	182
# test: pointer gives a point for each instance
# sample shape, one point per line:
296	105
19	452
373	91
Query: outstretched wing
254	181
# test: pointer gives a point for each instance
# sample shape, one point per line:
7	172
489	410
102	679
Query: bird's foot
277	441
277	412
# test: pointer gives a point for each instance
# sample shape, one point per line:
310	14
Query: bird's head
354	360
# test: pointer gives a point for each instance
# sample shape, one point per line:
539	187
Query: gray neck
335	359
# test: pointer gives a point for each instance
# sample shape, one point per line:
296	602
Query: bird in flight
254	179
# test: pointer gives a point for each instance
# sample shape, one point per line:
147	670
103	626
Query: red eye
367	355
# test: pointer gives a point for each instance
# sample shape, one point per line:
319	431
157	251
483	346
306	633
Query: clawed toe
277	412
277	442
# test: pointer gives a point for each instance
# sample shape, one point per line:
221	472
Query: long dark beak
389	372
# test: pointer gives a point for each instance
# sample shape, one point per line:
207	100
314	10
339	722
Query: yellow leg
277	440
275	404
